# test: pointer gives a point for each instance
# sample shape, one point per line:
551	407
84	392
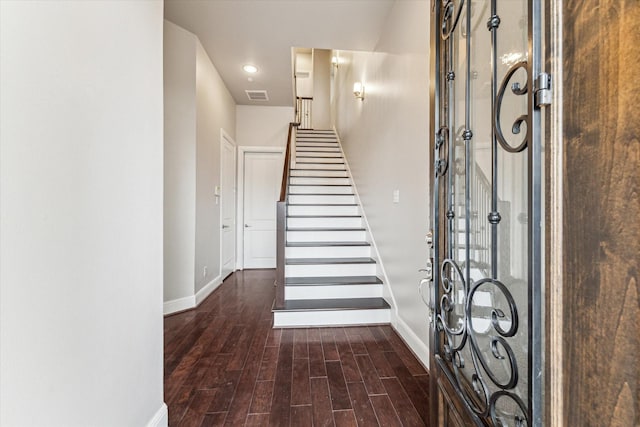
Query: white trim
242	150
554	228
180	304
225	136
207	289
375	254
161	418
192	301
415	344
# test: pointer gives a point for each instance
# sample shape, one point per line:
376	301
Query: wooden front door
486	287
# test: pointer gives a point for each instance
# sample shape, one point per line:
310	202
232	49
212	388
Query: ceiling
262	32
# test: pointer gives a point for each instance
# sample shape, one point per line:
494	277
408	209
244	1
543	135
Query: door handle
247	226
224	227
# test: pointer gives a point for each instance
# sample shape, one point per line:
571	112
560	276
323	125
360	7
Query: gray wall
179	162
321	117
197	106
215	110
386	139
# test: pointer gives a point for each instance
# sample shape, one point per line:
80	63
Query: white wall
263	126
386	139
179	163
215	110
197	106
81	214
320	113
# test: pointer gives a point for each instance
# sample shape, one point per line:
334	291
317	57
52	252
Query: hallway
225	365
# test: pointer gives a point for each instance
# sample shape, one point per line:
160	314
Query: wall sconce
358	90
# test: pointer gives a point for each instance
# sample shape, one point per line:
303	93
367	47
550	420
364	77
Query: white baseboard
192	301
180	304
207	289
415	344
161	418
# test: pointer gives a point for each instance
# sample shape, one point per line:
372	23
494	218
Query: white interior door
262	176
227	206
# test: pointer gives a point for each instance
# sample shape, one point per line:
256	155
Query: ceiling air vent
257	95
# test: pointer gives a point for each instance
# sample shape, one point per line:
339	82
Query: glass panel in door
483	169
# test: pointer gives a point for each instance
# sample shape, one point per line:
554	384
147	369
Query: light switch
396	196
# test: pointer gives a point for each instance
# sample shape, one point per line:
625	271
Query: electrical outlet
204	272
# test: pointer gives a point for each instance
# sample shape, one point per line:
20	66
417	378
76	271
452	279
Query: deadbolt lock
429	238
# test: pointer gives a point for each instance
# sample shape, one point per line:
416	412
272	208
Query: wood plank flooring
225	365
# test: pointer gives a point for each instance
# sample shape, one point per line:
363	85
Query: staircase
330	277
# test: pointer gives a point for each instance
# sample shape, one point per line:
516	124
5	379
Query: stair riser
340	199
314	149
316	138
330	270
325	222
319	173
326	236
303	131
318	154
320	189
319	181
330	318
314	145
332	292
323	210
328	252
318	143
321	166
321	160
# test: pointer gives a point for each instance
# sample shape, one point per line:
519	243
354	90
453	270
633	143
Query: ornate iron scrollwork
477	322
450	18
442	146
517	89
464	337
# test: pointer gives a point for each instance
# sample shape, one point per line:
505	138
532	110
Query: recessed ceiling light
250	68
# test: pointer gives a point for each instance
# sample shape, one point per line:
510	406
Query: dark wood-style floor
225	365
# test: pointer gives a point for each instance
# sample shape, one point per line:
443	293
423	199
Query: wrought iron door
486	287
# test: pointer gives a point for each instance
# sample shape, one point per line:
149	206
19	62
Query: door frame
225	136
554	201
242	151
